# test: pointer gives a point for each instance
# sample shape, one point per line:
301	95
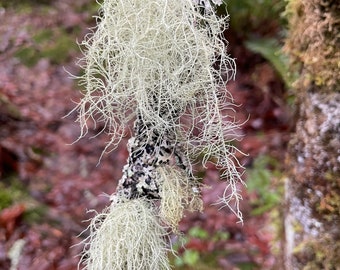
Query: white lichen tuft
126	236
178	194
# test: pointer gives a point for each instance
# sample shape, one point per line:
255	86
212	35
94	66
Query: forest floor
48	182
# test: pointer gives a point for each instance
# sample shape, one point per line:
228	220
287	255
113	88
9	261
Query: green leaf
271	51
191	257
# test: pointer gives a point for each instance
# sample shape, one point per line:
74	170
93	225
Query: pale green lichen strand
164	65
148	56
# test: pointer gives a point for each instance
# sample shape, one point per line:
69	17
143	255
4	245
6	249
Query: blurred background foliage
265	180
251	17
261	24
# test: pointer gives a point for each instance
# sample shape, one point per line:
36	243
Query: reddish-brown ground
60	180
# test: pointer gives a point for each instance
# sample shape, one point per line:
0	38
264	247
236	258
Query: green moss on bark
313	41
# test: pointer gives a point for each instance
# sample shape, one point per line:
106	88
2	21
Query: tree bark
312	218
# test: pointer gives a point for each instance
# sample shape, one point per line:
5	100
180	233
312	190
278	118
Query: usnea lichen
126	236
167	62
177	194
162	64
162	59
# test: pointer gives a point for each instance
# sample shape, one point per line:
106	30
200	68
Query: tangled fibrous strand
165	60
126	236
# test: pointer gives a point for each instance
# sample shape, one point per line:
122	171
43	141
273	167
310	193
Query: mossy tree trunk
312	220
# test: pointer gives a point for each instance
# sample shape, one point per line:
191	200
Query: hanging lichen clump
163	65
